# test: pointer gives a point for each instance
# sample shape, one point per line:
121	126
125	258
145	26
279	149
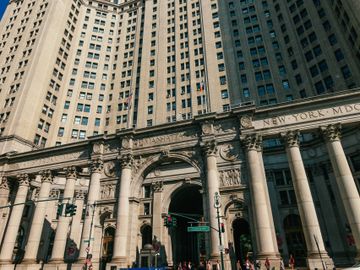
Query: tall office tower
73	69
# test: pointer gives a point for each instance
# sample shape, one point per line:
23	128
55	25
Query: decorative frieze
230	178
107	191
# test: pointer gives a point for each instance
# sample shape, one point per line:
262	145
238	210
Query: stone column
344	179
311	228
33	242
75	233
157	221
62	229
212	183
97	167
4	200
261	207
122	219
15	220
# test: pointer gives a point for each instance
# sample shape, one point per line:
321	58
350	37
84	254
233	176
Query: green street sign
198	229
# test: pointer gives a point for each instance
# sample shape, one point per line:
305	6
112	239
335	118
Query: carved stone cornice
291	138
252	142
24	179
97	166
210	148
331	132
47	176
157	186
71	172
4	183
126	160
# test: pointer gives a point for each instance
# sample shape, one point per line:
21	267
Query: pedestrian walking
267	263
238	265
292	262
247	264
217	265
208	265
282	265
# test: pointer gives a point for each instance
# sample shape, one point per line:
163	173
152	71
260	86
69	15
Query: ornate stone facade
276	177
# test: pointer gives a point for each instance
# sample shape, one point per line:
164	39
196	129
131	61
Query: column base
315	261
274	259
357	258
57	261
7	267
3	262
119	262
29	261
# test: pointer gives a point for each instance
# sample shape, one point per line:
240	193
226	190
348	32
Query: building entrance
242	239
186	246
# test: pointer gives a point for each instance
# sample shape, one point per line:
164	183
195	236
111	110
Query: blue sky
3	4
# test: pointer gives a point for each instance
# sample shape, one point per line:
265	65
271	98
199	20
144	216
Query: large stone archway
186	246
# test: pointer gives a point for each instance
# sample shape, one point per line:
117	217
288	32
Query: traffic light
169	221
222	227
60	209
70	209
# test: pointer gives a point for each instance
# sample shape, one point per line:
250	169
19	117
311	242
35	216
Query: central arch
187	246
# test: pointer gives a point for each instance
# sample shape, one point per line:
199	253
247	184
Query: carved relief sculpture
4	183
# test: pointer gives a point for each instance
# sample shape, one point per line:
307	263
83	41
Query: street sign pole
217	205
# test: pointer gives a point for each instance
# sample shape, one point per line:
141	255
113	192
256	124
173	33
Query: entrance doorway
295	239
187	246
242	239
107	246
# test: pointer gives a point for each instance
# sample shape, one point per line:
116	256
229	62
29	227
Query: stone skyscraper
73	69
238	116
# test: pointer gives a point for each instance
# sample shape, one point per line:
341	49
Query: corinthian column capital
210	148
252	142
24	179
331	132
291	138
4	183
126	161
47	176
71	172
97	166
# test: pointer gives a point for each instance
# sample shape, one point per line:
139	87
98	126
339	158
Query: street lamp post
217	205
88	255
